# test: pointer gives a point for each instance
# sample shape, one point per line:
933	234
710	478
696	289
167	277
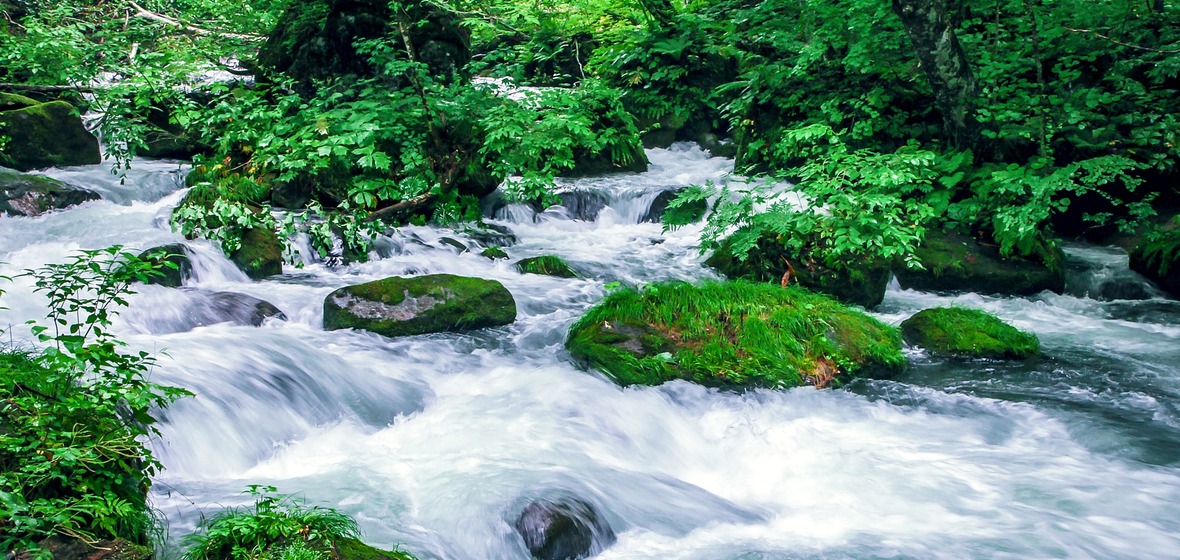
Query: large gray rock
22	194
563	528
422	304
44	134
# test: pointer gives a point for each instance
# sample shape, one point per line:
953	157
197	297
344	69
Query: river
436	442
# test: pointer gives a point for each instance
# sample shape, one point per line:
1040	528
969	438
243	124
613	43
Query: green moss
970	333
956	262
9	101
261	253
441	303
731	334
352	549
494	253
548	265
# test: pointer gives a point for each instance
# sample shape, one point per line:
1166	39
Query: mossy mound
261	253
548	265
494	253
44	135
1157	257
861	282
423	304
967	333
731	334
957	263
22	194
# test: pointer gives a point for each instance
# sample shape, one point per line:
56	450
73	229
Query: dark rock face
859	283
957	263
241	309
32	195
659	207
315	40
563	528
583	204
422	304
178	255
44	134
260	255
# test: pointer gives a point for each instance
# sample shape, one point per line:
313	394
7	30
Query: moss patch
494	253
548	265
352	549
423	304
969	333
731	334
260	255
956	262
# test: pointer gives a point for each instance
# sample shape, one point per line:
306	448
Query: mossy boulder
967	333
316	40
856	282
422	304
494	253
548	265
731	334
958	263
44	134
173	260
261	253
22	194
1157	257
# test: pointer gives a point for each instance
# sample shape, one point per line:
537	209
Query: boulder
731	334
1157	257
957	263
261	253
695	210
857	282
583	204
44	134
547	265
418	305
22	194
563	528
178	255
967	333
203	308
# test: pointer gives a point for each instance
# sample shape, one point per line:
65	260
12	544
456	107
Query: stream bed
436	442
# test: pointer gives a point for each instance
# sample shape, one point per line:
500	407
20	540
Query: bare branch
148	14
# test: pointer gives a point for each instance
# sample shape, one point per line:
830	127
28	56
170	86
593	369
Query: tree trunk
931	32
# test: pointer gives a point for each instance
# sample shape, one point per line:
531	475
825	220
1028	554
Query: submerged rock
859	282
261	253
955	262
22	194
178	255
967	333
422	304
563	528
44	134
547	265
731	334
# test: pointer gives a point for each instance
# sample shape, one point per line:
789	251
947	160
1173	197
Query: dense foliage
73	417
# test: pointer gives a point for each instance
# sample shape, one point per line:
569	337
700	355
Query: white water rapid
436	442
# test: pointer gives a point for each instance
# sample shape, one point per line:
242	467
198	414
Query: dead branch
1117	42
148	14
402	208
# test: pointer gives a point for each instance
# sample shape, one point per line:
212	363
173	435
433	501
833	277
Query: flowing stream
436	442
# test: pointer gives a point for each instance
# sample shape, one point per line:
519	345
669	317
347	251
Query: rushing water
436	442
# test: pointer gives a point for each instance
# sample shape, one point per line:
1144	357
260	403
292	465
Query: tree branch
400	208
1120	43
148	14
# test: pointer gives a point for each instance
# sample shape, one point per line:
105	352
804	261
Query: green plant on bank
74	415
1161	247
277	526
730	334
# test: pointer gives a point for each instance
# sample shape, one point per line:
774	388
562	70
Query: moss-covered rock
1157	257
548	265
44	134
179	268
859	282
494	253
261	253
731	334
957	263
352	549
967	333
22	194
422	304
